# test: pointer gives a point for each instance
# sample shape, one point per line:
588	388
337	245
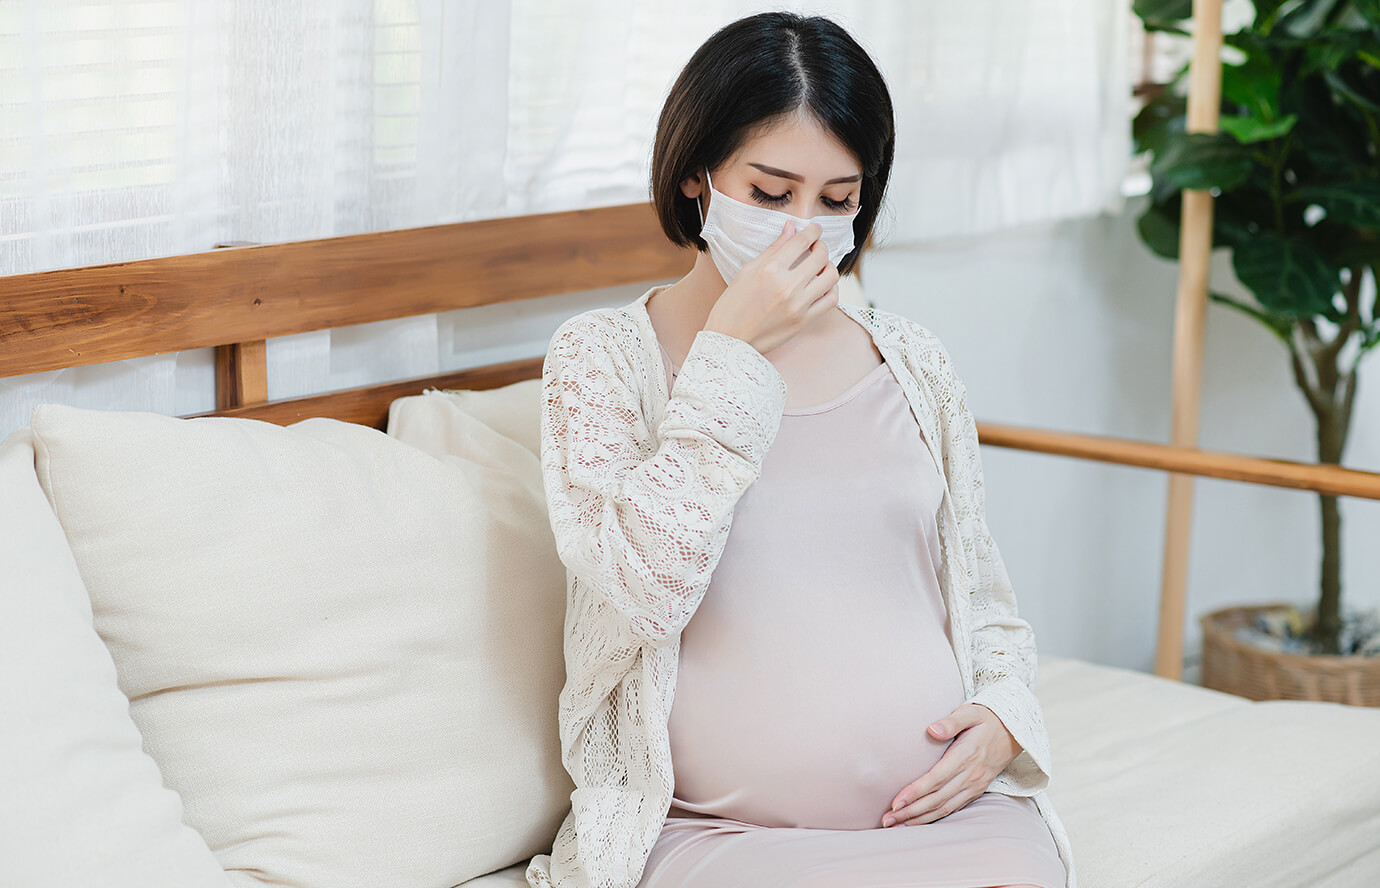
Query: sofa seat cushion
1164	784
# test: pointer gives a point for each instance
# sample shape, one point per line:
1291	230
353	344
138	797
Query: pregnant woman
793	654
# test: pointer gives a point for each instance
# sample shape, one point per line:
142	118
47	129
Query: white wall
1070	327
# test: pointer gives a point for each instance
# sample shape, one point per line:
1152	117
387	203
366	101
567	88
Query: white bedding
1170	785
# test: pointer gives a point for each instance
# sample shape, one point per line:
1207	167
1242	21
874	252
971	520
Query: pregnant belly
810	720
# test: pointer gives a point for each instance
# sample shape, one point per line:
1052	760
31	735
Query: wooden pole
1190	312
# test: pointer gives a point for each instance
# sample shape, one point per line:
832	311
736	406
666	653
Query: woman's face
796	166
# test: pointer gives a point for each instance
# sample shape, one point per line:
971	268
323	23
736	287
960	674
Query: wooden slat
368	405
241	374
1186	460
99	313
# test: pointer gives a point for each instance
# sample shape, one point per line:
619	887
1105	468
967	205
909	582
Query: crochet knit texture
641	484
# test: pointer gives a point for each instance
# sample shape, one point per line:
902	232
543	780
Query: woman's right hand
780	292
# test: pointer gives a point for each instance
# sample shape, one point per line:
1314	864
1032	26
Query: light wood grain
241	374
72	317
1190	315
1189	461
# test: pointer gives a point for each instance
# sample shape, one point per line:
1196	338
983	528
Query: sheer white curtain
1007	112
131	130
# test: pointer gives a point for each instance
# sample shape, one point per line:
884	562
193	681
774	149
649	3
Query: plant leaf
1154	124
1235	217
1344	89
1252	129
1332	134
1309	18
1203	161
1369	10
1369	341
1354	203
1263	10
1160	231
1163	15
1329	54
1164	9
1286	275
1162	190
1254	84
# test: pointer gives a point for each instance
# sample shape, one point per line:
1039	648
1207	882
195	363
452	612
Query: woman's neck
697	292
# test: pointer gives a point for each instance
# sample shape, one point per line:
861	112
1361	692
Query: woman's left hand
982	748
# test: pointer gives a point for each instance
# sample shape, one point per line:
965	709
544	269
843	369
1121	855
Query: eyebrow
795	177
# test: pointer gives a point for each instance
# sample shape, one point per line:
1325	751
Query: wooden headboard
236	298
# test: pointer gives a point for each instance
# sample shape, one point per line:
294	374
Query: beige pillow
513	411
344	653
83	804
499	427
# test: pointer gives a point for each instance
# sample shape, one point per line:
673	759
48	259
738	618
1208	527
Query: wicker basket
1236	667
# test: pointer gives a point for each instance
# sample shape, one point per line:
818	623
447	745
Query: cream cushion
83	804
437	419
343	652
479	425
1164	784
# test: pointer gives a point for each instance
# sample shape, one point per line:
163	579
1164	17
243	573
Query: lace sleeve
1003	644
639	518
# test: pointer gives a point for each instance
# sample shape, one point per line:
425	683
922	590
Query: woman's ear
692	186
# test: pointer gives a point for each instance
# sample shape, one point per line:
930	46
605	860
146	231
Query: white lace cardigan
641	484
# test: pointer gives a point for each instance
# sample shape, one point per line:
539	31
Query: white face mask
737	232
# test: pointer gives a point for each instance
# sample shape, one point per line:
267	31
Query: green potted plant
1295	174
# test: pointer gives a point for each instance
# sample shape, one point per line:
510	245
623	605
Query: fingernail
888	821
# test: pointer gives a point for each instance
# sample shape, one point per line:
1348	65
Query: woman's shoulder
605	323
913	338
609	332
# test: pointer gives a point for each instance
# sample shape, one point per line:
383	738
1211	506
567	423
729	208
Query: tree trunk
1330	393
1327	629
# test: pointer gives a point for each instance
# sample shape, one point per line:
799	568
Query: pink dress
809	674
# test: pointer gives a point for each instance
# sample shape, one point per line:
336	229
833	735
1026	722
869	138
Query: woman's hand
981	750
780	292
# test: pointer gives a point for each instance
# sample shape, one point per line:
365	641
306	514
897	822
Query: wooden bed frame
236	298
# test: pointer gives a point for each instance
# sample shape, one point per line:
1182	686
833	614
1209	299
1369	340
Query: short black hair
751	73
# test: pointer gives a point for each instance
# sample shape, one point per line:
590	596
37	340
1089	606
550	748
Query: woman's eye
762	197
845	205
